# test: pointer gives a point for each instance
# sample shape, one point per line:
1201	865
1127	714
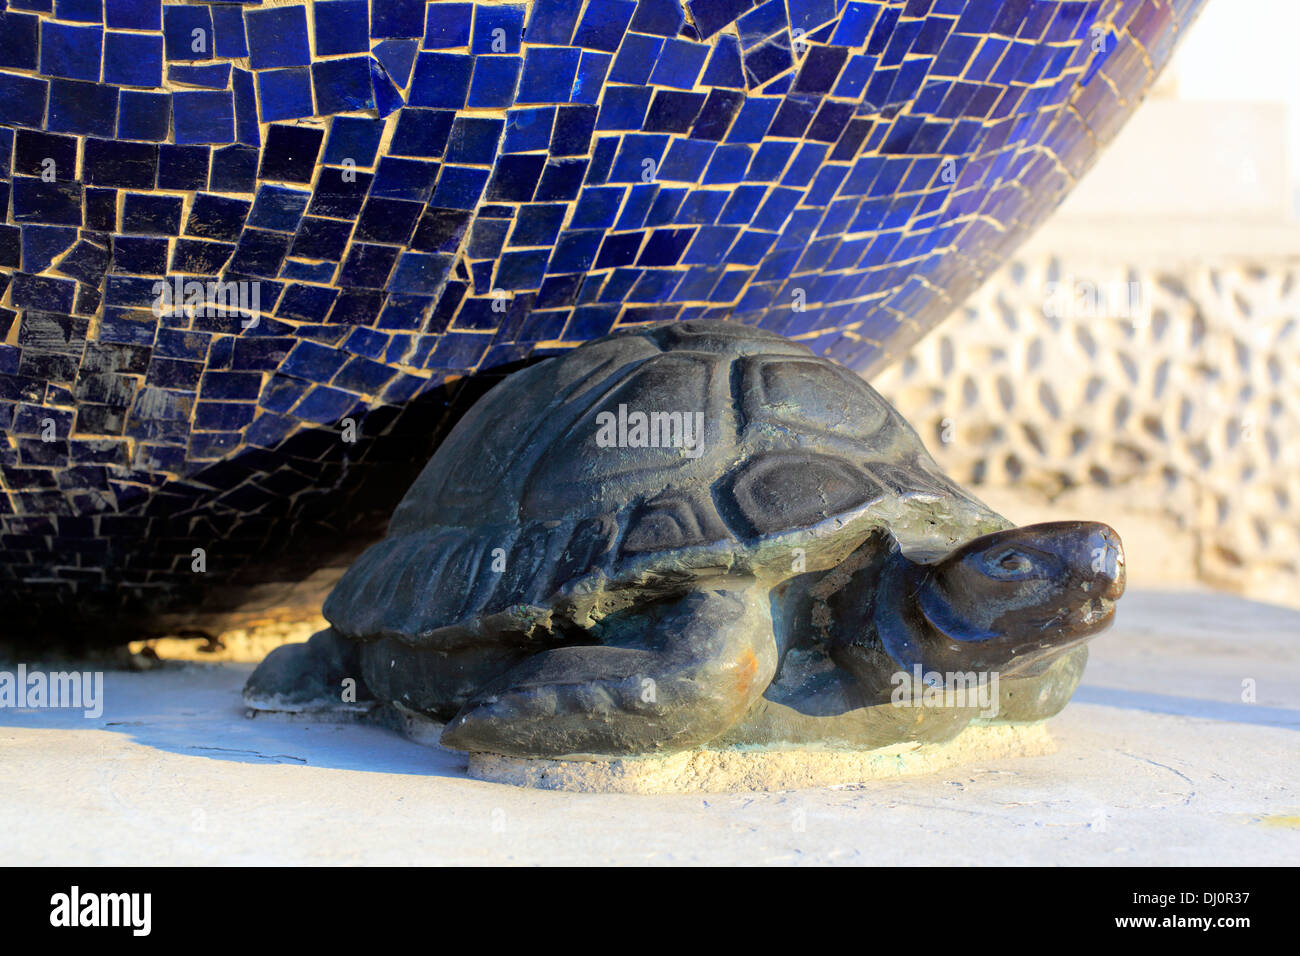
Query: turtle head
1016	599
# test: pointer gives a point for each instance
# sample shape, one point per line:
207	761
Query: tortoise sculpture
697	533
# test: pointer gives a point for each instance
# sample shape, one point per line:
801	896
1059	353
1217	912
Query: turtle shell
548	503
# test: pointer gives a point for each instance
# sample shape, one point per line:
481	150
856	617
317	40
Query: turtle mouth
1093	614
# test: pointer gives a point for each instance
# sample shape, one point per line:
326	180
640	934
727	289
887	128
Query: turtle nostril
1117	576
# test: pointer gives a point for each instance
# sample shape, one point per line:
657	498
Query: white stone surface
1160	762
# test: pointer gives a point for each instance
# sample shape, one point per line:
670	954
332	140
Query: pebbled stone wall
1164	399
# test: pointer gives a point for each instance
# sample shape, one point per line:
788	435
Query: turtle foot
320	675
684	677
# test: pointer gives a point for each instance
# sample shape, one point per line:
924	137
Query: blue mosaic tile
342	26
602	164
277	37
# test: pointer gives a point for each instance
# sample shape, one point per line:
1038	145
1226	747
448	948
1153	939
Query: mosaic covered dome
420	197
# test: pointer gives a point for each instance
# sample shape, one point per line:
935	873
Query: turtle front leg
311	676
669	679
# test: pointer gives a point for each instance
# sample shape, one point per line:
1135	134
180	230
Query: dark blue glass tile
728	164
710	16
234	169
342	26
602	158
277	36
188	32
39	292
134	255
213	76
494	82
18	40
716	116
100	211
619	249
742	205
42	244
308	271
396	18
203	116
497	29
290	153
259	253
576	250
133	14
597	207
420	273
821	67
356	306
107	162
10	246
548	74
767	60
855	23
477	314
403	312
515	177
474	140
638	158
830	121
793	117
751	247
404	179
367	266
247	130
363	375
659	17
441	230
217	217
552	21
702	208
87	263
519	271
182	167
339	193
636	58
397	57
441	79
388	98
573	128
71	51
528	129
724	68
321	239
143	115
310	304
805	165
151	214
342	85
679	64
356	138
387	220
624	108
278	207
459	187
538	225
447	25
200	256
603	24
589	82
854	76
753	120
44	154
420	133
228	25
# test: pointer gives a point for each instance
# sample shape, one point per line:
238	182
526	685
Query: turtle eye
1010	564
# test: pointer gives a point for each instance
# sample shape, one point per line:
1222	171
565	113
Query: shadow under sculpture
696	534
